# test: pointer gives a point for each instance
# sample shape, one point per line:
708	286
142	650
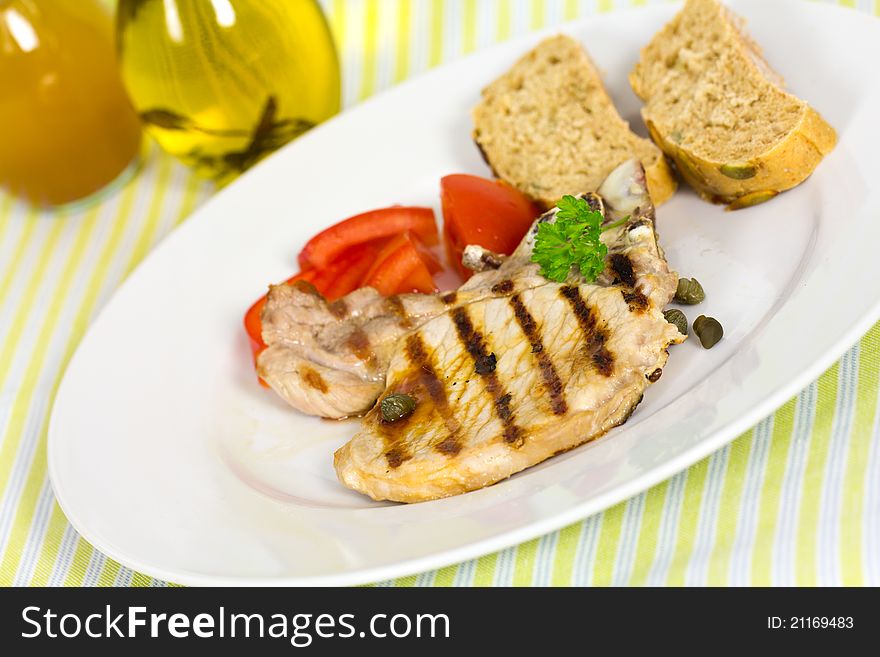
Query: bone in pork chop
332	358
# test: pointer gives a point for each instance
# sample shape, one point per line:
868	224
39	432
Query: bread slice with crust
549	128
715	107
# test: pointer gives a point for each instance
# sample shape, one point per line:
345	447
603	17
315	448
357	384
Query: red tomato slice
388	247
400	269
327	245
485	212
346	273
431	261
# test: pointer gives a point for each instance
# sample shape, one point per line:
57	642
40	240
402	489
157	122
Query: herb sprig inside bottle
573	240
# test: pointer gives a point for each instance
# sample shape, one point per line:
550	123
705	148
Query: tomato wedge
400	268
327	245
348	271
485	212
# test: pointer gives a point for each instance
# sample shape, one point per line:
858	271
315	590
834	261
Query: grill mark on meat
426	375
338	308
623	267
397	455
545	365
449	298
504	287
450	447
594	336
475	345
637	302
359	342
395	306
313	379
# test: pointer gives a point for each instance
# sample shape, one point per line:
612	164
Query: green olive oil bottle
222	83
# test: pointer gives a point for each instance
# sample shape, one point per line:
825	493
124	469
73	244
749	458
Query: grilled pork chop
332	359
503	383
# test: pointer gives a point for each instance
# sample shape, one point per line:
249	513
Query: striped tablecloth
795	500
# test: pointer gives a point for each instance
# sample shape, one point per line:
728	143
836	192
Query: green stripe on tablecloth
784	502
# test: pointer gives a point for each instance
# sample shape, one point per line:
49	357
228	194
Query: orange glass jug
66	125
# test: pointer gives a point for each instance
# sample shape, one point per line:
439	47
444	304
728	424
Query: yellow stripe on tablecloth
20	251
140	580
336	18
31	292
649	533
371	39
565	554
469	26
154	213
404	25
486	566
571	10
806	565
435	53
5	213
609	538
728	509
504	24
538	14
11	442
24	515
771	490
687	522
408	581
62	293
445	576
852	501
524	565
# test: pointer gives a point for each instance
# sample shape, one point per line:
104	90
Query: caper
676	136
739	170
709	330
675	316
689	292
397	406
753	198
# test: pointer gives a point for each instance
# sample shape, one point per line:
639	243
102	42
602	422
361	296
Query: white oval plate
166	455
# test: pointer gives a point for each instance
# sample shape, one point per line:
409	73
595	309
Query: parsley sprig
572	240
